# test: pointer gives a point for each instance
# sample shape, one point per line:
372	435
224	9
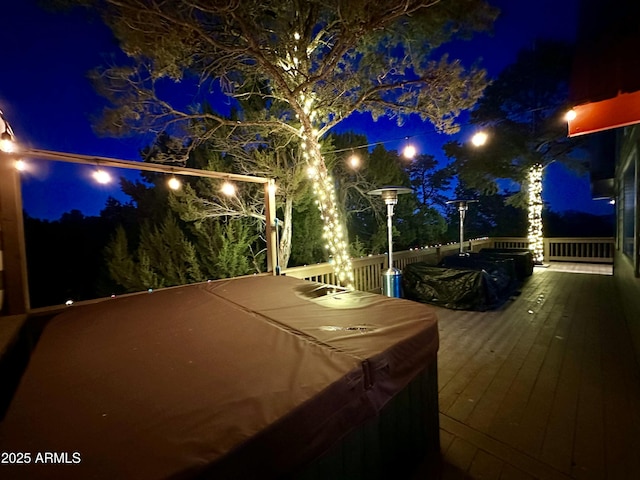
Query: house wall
627	253
629	289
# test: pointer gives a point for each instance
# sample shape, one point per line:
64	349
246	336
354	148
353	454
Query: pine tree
232	259
121	265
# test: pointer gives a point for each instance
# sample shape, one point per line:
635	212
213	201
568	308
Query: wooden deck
546	387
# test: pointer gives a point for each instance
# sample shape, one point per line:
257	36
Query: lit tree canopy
334	57
309	64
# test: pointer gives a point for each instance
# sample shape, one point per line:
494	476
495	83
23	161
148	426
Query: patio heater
463	206
391	278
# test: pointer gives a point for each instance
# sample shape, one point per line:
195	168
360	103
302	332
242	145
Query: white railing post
545	250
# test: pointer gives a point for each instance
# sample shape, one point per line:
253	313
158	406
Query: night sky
47	98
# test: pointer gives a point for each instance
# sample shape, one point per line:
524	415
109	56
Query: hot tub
254	377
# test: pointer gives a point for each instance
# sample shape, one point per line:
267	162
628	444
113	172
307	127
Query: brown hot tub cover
245	378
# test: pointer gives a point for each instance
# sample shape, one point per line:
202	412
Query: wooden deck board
511	473
557	447
481	358
534	418
486	466
588	455
545	387
461	453
506	424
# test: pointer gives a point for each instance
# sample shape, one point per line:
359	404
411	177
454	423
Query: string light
174	183
333	234
228	188
102	177
409	151
7	144
21	165
354	161
479	139
323	185
536	239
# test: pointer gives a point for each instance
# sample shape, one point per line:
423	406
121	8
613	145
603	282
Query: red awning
605	83
619	111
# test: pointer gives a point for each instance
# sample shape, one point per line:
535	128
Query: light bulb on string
409	152
354	161
21	165
479	139
228	188
7	144
102	176
174	183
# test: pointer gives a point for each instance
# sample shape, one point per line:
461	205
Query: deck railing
590	250
563	249
368	270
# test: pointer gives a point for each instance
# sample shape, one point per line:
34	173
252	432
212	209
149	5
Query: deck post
14	283
273	265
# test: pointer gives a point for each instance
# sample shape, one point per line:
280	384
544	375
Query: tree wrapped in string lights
523	132
535	233
307	65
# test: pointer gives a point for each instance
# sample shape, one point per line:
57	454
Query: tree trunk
335	233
